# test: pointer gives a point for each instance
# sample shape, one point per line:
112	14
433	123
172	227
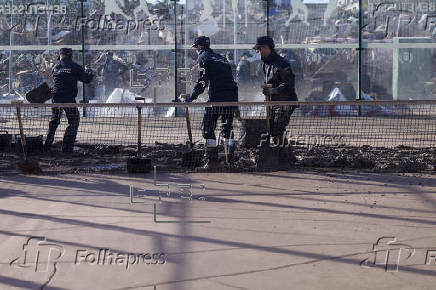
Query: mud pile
168	158
399	159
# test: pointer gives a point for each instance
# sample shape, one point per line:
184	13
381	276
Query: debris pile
169	158
399	159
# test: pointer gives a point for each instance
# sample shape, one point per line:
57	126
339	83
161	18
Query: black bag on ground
5	141
251	132
34	144
40	94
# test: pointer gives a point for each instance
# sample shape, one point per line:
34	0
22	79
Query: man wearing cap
66	73
279	85
216	72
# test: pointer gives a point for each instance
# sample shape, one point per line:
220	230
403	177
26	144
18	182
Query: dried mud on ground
168	158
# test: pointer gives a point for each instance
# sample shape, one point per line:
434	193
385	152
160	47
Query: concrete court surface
260	231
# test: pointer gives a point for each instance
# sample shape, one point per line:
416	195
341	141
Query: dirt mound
167	157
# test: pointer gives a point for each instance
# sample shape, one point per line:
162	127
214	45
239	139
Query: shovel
226	149
138	164
269	157
193	157
268	114
27	166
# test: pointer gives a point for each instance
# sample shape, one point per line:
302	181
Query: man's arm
202	82
288	80
85	76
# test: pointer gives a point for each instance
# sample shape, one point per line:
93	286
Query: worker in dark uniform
216	72
66	73
279	85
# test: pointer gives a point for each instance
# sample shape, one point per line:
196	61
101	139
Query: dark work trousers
73	117
211	117
279	119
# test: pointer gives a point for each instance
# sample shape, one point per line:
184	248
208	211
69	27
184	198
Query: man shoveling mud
217	74
279	85
66	73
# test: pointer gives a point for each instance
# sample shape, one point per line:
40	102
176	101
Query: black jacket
66	73
279	74
218	76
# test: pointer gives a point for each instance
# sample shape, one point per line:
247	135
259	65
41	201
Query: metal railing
388	135
382	124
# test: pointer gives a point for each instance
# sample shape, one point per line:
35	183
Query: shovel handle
139	131
23	140
188	125
182	97
268	111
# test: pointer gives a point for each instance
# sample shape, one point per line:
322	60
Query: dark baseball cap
264	40
66	51
202	40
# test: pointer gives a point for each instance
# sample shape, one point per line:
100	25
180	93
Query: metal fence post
359	61
139	131
83	56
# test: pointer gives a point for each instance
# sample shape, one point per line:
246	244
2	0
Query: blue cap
264	40
202	40
66	51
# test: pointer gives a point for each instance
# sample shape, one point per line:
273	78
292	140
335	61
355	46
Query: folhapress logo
39	255
107	257
140	17
388	253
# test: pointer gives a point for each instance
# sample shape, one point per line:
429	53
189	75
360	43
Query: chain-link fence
164	128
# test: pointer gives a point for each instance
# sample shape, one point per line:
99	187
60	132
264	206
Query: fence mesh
313	127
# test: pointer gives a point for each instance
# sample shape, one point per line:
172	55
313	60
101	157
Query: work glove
267	91
185	99
89	71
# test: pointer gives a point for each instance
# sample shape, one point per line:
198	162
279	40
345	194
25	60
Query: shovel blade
193	158
29	167
138	165
275	158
